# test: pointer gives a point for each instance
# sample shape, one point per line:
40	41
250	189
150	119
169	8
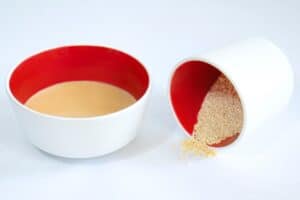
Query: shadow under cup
76	63
79	137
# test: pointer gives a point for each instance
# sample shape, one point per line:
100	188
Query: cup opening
76	63
189	86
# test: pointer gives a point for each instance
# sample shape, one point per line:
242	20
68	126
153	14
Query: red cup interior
78	63
189	85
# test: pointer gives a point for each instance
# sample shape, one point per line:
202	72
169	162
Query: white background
160	33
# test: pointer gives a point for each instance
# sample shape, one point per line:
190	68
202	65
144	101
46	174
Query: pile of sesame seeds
220	117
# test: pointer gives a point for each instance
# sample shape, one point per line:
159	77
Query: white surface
159	33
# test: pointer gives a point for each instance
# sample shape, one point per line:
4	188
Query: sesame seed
220	117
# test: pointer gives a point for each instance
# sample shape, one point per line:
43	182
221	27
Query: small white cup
79	137
259	71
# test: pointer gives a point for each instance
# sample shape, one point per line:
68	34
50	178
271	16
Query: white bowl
79	137
259	71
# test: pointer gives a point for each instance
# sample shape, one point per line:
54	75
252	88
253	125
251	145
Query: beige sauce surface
80	99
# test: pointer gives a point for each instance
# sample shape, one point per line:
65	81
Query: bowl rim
109	115
221	69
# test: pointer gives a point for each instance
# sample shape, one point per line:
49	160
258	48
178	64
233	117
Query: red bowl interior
189	85
78	63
